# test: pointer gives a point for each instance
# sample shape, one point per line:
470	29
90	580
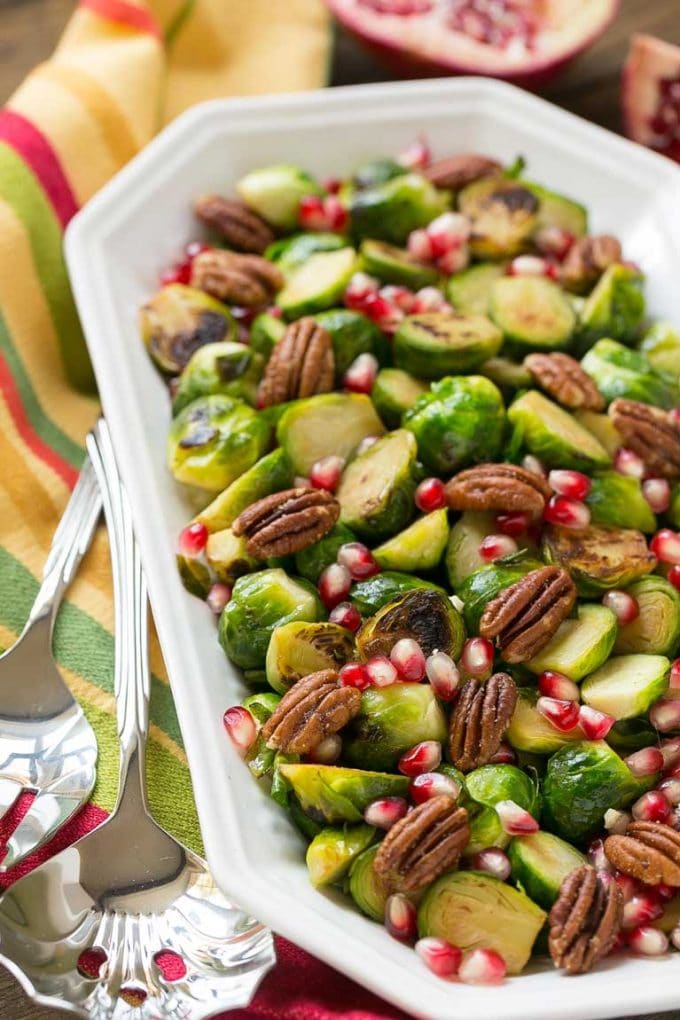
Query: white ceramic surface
115	249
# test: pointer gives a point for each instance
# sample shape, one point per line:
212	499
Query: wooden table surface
29	29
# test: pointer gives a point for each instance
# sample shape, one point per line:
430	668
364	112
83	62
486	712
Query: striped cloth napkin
122	69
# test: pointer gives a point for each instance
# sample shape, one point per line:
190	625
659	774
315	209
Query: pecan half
423	845
562	377
649	851
239	226
456	172
498	487
587	260
585	920
313	709
301	364
651	433
480	717
287	521
238	279
523	618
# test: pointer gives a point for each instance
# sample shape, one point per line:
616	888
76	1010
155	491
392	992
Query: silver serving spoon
128	923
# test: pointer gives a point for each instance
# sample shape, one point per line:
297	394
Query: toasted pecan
302	364
524	617
456	172
314	708
287	522
587	260
651	433
423	845
649	851
240	227
498	487
562	377
480	717
585	920
238	279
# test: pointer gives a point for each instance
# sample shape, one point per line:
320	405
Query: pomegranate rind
649	61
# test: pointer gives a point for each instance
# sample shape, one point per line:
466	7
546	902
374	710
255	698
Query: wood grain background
30	28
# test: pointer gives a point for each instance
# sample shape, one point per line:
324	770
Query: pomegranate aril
91	961
334	585
447	232
595	725
312	214
494	861
401	918
354	674
554	241
241	727
424	757
645	762
674	415
384	813
515	820
628	463
443	675
674	576
383	313
651	807
513	523
559	686
420	246
623	605
194	248
616	822
345	615
570	483
327	472
361	374
439	956
218	596
670	788
381	672
628	885
408	659
477	656
657	492
647	941
366	443
505	755
327	752
358	560
401	297
415	156
430	495
493	547
568	513
482	967
193	540
533	464
433	784
180	272
332	185
360	287
641	909
529	265
665	715
335	213
454	261
563	715
666	546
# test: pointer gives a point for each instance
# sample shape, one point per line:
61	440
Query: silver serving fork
47	746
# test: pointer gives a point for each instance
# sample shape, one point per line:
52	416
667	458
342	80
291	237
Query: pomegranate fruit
525	41
650	95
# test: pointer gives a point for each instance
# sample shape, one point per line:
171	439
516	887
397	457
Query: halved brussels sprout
196	576
598	557
274	192
423	614
265	333
491	784
392	720
559	211
259	603
630	735
533	313
470	291
290	252
459	422
273	473
366	887
615	307
531	732
297	649
656	630
619	372
580	645
602	427
377	171
434	344
228	556
376	490
318	283
214	440
508	375
554	435
330	423
331	853
661	345
331	794
260	758
627	685
473	910
485	831
462	552
226	367
178	320
394	392
395	265
352	334
617	499
371	595
420	547
483	585
540	863
504	215
312	561
391	210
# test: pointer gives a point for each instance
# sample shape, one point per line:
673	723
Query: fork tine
47	813
9	793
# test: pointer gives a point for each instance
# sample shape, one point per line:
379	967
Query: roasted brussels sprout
459	422
310	562
229	368
617	499
630	735
627	686
297	649
597	557
473	910
533	313
392	720
508	375
331	423
540	863
261	602
462	552
554	435
491	784
531	732
371	595
419	547
260	758
602	427
619	372
391	210
615	308
274	192
214	440
178	320
581	644
265	333
196	575
290	252
661	345
331	794
422	614
368	890
656	630
376	490
433	344
485	831
394	392
228	556
483	585
272	473
559	211
352	334
331	853
395	265
318	283
504	214
470	291
377	171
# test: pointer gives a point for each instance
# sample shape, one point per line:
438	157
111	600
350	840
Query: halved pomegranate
650	95
525	41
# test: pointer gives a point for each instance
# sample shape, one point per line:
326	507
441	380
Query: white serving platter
115	249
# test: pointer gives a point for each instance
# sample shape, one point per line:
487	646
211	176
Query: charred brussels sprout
459	422
310	562
473	910
504	215
261	602
559	211
433	344
615	308
366	887
627	685
656	630
331	794
228	556
533	313
392	720
297	649
554	435
419	547
331	423
391	210
619	372
272	473
331	853
376	491
396	265
422	614
483	585
388	586
491	784
229	368
291	252
196	576
352	334
617	499
540	863
394	392
178	320
274	192
214	440
599	558
661	345
531	732
265	333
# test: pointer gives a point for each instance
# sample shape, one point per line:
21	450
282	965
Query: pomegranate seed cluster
432	446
